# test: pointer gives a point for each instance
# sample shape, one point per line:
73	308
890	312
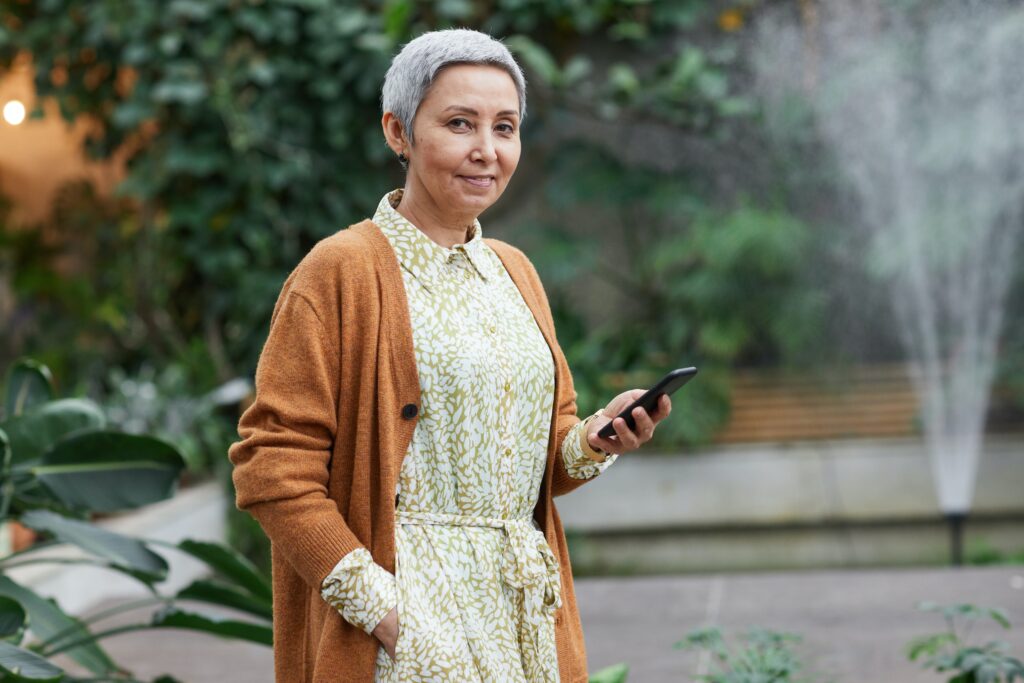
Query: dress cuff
581	460
361	590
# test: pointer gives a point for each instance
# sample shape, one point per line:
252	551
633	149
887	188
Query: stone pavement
855	624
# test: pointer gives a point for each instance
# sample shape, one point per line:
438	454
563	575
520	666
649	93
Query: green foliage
949	651
75	283
691	284
251	131
982	552
158	403
28	384
766	657
60	463
1010	369
616	673
19	664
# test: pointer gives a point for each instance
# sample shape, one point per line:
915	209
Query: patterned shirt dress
475	583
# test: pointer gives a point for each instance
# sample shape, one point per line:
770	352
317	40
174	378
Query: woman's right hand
387	632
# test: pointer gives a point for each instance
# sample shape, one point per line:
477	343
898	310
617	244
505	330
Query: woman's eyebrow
474	112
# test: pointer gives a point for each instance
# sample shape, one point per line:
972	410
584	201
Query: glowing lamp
14	112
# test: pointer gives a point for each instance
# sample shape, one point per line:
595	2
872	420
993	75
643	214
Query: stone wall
814	504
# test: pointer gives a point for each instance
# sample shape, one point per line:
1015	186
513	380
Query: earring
402	158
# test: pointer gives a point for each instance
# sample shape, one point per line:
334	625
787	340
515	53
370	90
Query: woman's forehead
474	86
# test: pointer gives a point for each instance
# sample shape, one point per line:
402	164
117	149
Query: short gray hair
415	67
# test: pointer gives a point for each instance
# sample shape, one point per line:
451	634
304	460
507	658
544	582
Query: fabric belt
527	563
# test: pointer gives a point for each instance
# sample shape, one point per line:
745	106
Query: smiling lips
478	181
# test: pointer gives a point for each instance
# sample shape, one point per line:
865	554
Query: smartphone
649	401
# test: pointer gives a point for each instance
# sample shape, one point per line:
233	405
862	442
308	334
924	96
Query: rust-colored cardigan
337	399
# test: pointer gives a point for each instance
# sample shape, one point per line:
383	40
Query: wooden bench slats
784	406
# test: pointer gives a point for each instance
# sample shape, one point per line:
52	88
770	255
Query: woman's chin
478	199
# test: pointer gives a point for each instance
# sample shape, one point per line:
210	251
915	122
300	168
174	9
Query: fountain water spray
922	105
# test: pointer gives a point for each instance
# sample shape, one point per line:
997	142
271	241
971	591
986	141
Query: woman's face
466	138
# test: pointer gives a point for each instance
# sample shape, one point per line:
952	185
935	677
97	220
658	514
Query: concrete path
855	624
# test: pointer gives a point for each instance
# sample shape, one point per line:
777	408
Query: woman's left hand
627	439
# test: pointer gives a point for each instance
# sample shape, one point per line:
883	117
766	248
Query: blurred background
818	203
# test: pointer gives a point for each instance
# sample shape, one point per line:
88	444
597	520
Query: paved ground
854	623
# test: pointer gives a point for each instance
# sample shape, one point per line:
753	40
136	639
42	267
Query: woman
414	415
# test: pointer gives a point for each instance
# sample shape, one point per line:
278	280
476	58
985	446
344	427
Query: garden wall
762	506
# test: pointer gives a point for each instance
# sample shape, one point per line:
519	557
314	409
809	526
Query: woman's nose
485	149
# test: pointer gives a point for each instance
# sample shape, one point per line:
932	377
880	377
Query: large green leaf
613	674
47	620
12	620
121	550
230	564
228	596
110	471
29	383
35	431
536	56
173	617
22	665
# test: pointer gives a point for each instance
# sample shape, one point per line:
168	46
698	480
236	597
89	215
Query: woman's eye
506	128
454	122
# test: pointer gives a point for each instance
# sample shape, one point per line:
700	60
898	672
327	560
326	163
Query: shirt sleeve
581	460
361	590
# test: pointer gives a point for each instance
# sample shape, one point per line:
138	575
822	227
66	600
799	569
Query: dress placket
459	299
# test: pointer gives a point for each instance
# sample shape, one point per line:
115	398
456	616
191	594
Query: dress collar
418	253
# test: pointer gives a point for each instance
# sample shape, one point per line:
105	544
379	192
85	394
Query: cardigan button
409	411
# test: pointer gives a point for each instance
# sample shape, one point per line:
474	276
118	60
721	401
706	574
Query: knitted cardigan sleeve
281	462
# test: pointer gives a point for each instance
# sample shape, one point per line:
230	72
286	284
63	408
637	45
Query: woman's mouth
478	181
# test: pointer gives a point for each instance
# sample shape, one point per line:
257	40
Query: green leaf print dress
476	584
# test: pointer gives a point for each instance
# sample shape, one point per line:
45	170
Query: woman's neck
446	230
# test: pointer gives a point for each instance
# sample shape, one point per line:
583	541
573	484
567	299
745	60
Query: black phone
649	401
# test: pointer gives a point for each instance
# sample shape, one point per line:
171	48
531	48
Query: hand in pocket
387	632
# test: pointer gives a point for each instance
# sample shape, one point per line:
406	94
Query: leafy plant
686	283
250	131
982	552
950	650
60	463
159	403
766	656
615	673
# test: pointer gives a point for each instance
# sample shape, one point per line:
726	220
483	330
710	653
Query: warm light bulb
14	112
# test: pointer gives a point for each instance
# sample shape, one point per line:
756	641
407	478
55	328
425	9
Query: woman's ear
393	133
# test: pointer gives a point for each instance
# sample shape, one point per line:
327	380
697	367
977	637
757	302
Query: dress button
409	411
508	451
508	386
